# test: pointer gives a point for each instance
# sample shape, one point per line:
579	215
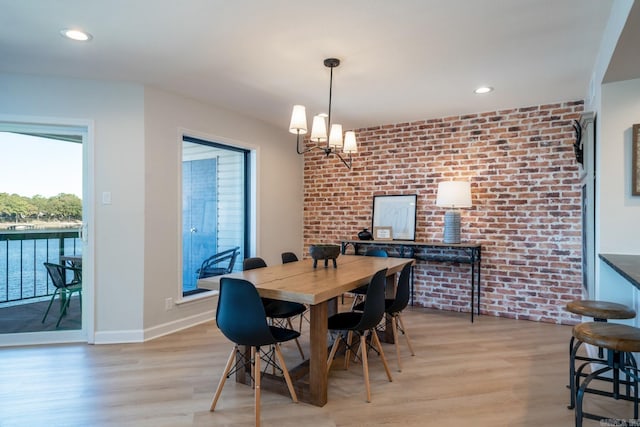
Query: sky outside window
31	165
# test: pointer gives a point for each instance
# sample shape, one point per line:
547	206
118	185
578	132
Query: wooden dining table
319	288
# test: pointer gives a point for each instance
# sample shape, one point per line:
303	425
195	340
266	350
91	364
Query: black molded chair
279	311
65	287
289	257
393	308
362	323
212	266
359	293
242	319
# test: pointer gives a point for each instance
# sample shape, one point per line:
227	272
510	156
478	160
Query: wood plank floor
495	372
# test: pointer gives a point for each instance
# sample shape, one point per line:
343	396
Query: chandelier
335	143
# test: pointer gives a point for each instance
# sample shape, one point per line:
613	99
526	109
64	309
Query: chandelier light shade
298	120
453	195
350	145
331	143
318	129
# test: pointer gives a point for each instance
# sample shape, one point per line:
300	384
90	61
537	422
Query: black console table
464	253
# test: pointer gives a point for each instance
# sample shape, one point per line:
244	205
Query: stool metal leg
580	395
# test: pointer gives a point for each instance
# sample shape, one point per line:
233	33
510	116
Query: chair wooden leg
256	376
406	335
285	372
394	329
376	340
224	378
365	367
297	342
347	353
332	354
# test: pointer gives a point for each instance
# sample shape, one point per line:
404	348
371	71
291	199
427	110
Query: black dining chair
289	257
277	310
359	293
394	308
241	318
363	324
65	287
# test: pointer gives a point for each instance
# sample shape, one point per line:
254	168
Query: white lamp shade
454	194
335	136
298	123
318	129
350	145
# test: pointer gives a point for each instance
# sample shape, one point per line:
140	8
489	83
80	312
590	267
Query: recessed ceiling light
77	35
483	89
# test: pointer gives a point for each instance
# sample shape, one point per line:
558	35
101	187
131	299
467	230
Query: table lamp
453	195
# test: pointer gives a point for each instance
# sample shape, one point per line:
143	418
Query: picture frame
397	212
635	161
382	233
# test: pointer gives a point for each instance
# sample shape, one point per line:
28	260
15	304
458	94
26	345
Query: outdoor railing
22	257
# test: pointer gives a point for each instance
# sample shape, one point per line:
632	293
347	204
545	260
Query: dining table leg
319	354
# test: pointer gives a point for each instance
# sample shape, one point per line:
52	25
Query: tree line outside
21	209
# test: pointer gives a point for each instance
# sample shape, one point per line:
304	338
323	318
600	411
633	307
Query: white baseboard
178	325
134	336
40	338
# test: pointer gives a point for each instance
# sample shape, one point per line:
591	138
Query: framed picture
397	212
382	233
635	161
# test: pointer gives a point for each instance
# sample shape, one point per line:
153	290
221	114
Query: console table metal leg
473	287
479	269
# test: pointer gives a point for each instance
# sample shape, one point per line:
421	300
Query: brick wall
526	203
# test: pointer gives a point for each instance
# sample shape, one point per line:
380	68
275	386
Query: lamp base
452	227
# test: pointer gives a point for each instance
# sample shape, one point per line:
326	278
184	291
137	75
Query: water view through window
40	221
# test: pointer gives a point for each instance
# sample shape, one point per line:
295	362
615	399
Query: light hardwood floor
495	372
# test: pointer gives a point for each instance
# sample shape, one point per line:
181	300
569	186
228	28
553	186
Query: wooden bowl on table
324	252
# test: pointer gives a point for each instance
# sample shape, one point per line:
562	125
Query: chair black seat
388	303
283	334
277	309
344	321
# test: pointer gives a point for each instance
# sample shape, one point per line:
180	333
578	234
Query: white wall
137	157
116	110
618	211
279	192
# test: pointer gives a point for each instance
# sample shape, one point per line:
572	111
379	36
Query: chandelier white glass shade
331	143
453	195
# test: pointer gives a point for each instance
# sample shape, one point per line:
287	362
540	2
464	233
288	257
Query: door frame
86	129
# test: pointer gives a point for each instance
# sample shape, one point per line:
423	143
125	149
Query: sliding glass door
41	220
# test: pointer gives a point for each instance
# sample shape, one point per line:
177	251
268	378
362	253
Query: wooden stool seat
619	368
601	309
611	336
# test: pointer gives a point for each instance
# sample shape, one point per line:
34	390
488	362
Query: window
215	205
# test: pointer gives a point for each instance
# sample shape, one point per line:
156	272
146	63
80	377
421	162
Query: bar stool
600	311
620	341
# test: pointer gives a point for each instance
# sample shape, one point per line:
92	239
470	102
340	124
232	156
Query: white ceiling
401	60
